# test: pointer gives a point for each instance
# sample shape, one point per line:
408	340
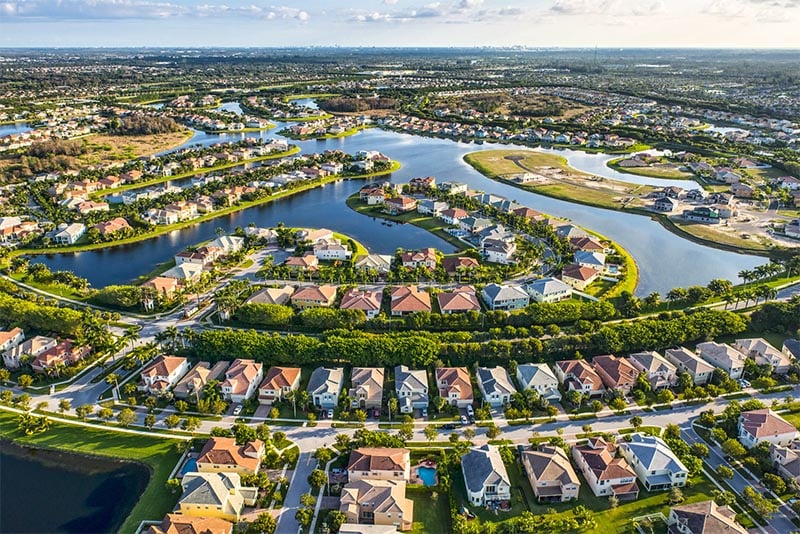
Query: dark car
449	426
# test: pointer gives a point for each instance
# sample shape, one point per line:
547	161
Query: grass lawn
54	288
655	172
431	515
710	233
160	455
102	148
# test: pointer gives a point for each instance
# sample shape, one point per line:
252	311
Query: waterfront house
215	495
591	259
658	371
723	356
578	375
550	474
277	382
763	353
311	235
605	473
665	204
454	385
495	385
485	476
702	214
453	215
314	296
399	205
411	387
548	290
69	234
162	374
473	225
223	455
430	207
499	251
758	426
367	388
184	524
107	228
616	373
185	271
13	356
272	295
705	517
377	502
505	297
426	257
688	362
377	463
422	183
409	299
332	250
192	384
325	386
382	264
540	378
241	380
656	466
366	300
306	263
460	299
578	276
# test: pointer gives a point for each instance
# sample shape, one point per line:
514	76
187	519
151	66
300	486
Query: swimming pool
428	475
190	466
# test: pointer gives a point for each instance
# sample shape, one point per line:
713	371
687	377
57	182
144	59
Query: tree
469	434
774	482
84	411
64	405
30	424
308	500
126	417
700	450
336	519
181	406
676	496
190	424
492	431
596	406
393	407
723	498
274	413
264	524
304	516
172	420
149	420
317	478
173	485
665	396
324	455
243	433
25	381
105	413
613	501
733	448
430	433
725	472
760	504
635	421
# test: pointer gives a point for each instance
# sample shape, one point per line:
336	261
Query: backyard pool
190	466
427	475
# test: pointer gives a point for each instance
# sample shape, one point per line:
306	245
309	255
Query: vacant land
657	170
101	148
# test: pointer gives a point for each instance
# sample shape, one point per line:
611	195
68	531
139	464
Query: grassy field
653	172
346	133
710	233
108	148
493	163
160	455
431	515
53	288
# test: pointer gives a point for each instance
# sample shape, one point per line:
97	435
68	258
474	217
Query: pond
52	491
15	127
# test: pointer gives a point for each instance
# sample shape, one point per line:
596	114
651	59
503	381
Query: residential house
485	476
69	234
461	299
495	385
688	362
382	264
107	228
616	373
763	353
11	338
723	356
579	276
422	183
457	266
548	290
786	460
705	517
431	207
505	297
377	463
272	295
540	378
658	371
215	495
409	299
192	384
426	257
197	257
162	374
314	296
578	375
606	474
791	348
665	204
550	474
454	188
758	426
277	383
367	388
473	225
223	455
377	502
399	205
411	387
702	214
365	300
63	354
14	356
332	250
499	251
185	271
241	380
228	244
306	263
184	524
453	215
593	260
325	386
454	385
656	466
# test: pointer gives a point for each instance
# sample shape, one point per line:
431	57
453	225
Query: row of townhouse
42	353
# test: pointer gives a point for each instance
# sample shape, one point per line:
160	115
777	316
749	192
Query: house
197	257
184	271
223	455
665	204
656	466
431	207
606	474
505	297
107	228
426	257
421	184
453	215
376	463
365	300
591	259
192	384
399	205
457	265
578	276
307	262
760	350
499	251
548	290
277	383
616	373
162	286
702	214
473	225
374	262
411	387
578	375
409	299
658	371
69	234
786	460
90	206
454	385
367	388
162	374
377	502
181	524
314	296
568	231
495	385
14	356
705	517
741	190
540	378
758	426
228	244
215	495
459	300
550	474
241	380
791	348
272	295
332	250
485	476
62	354
688	362
723	356
325	386
454	188
11	338
374	196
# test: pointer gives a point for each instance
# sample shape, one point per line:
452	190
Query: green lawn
431	514
160	455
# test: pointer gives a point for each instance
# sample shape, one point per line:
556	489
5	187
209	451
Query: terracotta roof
162	285
578	272
163	366
460	299
585	243
365	300
581	371
454	379
225	451
451	264
599	456
280	377
309	260
186	524
240	374
11	334
765	423
315	293
616	371
409	299
378	459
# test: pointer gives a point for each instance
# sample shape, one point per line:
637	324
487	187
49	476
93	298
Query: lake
53	491
16	127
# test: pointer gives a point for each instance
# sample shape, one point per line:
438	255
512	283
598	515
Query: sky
534	23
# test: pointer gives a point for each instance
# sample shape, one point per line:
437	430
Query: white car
237	410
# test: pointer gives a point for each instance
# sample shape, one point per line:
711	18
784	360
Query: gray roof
495	380
504	292
531	374
208	488
326	380
689	360
483	466
653	453
547	286
652	362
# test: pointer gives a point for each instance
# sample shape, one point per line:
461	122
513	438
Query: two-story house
688	362
578	375
223	455
758	426
540	378
550	473
241	380
277	383
505	297
605	473
656	466
658	371
325	385
411	387
485	476
215	495
367	387
376	463
495	385
162	374
454	385
705	517
724	357
377	502
763	353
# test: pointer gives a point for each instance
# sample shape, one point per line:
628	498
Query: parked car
237	410
449	426
470	411
330	414
425	413
464	420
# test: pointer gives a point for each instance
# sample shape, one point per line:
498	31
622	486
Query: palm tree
746	275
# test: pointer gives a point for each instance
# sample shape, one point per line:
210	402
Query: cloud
454	12
607	7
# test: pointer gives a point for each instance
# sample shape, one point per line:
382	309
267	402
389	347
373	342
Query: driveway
298	485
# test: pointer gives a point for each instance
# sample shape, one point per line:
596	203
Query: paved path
299	485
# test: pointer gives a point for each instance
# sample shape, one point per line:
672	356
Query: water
190	466
665	260
49	491
307	102
233	107
17	127
428	475
724	129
